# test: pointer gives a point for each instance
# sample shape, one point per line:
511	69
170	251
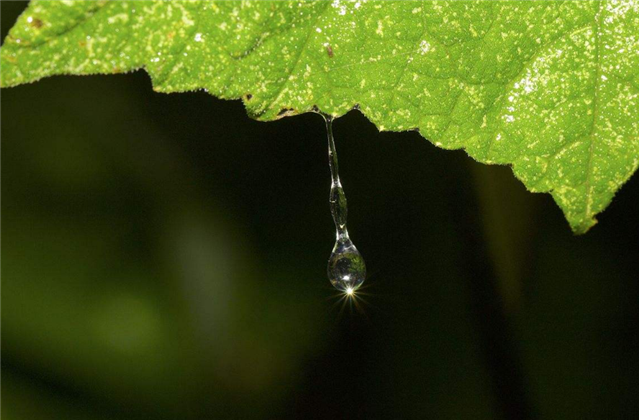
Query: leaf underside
550	88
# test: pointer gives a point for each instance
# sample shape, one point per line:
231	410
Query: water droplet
346	268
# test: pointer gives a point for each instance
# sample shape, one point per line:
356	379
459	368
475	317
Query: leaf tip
583	226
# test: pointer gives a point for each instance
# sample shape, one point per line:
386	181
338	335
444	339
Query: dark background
164	257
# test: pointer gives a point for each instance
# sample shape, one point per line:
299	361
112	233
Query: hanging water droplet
346	268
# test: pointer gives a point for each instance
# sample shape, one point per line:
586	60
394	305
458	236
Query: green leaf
551	88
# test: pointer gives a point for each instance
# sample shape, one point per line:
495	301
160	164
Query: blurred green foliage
164	257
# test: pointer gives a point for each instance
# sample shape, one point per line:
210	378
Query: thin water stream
346	268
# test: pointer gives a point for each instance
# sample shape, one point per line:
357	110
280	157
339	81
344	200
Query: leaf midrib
595	111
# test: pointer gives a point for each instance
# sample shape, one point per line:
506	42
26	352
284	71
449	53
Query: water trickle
346	268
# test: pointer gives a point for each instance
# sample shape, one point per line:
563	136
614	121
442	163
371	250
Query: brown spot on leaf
329	50
36	23
248	96
286	112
